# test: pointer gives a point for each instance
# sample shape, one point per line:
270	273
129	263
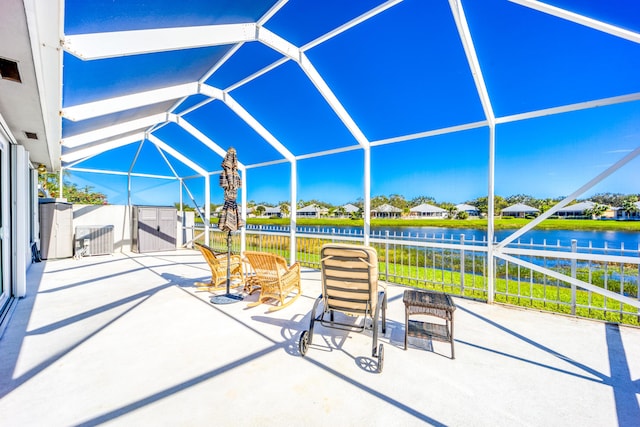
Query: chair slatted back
267	266
349	278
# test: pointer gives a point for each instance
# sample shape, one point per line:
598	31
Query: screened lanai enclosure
138	99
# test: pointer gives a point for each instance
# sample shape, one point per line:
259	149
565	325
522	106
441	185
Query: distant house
576	210
620	213
250	210
427	210
350	209
345	211
579	210
610	213
469	209
312	211
519	210
273	212
386	211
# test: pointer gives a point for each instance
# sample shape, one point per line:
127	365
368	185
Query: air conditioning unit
93	240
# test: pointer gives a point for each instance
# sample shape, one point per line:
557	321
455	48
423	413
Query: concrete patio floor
126	340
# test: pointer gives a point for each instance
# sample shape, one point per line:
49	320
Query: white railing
585	281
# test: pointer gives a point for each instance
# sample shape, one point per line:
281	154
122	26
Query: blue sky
402	72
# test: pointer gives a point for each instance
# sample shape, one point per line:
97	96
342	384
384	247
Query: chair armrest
292	272
294	267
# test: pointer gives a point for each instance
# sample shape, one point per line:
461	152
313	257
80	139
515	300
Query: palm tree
284	209
596	211
451	211
545	204
629	206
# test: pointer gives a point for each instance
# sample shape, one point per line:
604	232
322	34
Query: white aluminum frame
91	46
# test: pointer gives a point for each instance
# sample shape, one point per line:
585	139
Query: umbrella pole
227	298
228	261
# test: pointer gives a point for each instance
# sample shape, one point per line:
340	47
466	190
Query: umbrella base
226	299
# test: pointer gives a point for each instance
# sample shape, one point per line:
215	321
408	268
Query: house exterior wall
308	214
376	214
517	214
119	216
428	214
571	214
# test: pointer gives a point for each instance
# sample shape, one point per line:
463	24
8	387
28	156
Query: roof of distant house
313	208
386	208
520	207
426	207
578	207
350	208
465	207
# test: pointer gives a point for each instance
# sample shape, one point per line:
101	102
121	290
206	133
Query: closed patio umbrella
230	220
230	182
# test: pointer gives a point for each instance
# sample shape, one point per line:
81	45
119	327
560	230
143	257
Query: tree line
601	200
49	186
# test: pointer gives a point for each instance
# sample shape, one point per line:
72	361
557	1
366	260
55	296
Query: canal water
585	238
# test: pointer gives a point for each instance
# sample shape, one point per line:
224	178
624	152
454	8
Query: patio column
129	188
367	194
243	203
207	208
490	214
293	211
133	162
474	65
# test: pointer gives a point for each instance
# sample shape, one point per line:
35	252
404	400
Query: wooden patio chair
275	279
218	264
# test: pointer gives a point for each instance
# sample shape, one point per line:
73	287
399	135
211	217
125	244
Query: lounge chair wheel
380	357
303	344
